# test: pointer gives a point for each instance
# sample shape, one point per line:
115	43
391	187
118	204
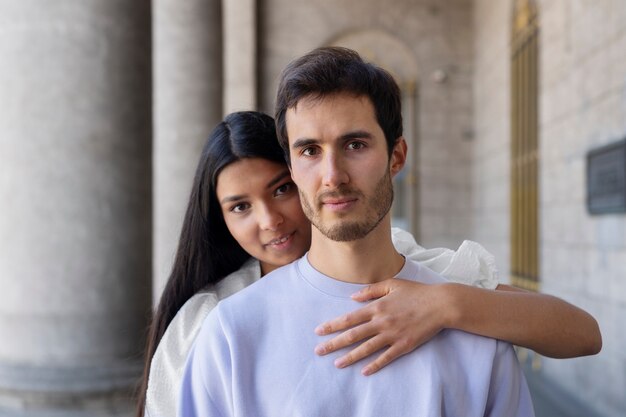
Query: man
339	121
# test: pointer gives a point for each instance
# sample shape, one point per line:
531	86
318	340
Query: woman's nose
270	218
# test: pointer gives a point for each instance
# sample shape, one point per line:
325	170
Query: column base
30	391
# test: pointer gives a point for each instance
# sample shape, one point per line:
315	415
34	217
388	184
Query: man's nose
334	173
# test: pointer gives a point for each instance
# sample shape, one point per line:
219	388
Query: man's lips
338	200
339	204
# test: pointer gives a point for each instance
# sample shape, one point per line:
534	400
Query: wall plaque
606	179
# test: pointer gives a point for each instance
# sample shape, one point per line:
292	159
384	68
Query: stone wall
582	103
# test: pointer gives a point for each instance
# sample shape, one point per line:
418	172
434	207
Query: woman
244	219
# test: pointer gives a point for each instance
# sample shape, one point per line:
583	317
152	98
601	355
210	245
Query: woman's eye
284	189
310	151
240	208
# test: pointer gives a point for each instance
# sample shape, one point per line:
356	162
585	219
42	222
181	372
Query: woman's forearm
543	323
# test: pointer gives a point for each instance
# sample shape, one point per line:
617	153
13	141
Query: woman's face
262	210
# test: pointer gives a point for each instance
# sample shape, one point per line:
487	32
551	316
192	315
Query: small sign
606	179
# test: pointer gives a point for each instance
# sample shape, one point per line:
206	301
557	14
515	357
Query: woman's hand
404	315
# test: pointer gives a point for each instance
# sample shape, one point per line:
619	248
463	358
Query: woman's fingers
361	315
380	289
405	315
389	355
347	338
364	350
345	321
394	350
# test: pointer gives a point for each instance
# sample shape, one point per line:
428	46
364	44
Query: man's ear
398	156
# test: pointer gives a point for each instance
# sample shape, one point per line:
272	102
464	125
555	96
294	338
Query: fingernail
320	349
340	363
366	371
319	330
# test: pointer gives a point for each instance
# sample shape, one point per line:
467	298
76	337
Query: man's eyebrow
355	134
301	143
270	184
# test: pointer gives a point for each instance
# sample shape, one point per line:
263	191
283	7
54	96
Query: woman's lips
281	242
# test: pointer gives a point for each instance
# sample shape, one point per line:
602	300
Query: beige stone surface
581	107
187	91
75	191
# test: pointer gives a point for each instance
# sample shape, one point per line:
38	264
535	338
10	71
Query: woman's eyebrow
232	198
273	182
278	178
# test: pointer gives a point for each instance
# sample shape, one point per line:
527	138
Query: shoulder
263	297
177	341
248	274
415	271
168	362
404	242
182	331
276	282
188	320
470	264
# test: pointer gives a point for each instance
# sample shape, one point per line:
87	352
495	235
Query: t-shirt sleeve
470	264
508	391
206	388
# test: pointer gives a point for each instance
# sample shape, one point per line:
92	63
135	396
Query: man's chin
346	232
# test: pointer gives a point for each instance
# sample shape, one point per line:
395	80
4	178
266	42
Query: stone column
240	68
187	49
75	204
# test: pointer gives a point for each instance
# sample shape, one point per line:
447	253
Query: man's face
340	162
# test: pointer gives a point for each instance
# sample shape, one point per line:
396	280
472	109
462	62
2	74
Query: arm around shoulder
544	323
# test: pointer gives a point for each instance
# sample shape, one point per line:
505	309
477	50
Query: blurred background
514	110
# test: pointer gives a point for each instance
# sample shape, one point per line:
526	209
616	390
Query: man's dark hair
330	70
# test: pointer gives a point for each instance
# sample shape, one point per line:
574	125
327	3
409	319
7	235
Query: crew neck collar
341	289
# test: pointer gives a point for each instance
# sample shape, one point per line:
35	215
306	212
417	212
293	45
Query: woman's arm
541	322
406	314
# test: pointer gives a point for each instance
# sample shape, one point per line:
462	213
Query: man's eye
284	189
240	208
356	145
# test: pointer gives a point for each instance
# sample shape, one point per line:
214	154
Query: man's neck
364	261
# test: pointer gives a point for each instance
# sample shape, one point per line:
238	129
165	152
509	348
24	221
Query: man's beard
377	207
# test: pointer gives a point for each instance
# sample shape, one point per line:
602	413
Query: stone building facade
105	104
582	106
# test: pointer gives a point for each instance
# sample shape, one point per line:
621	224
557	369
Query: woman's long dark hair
207	252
